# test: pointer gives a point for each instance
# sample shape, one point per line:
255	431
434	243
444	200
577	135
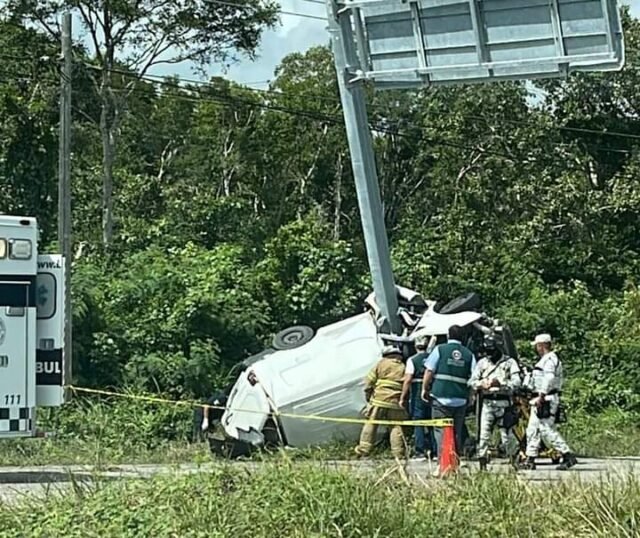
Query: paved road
17	482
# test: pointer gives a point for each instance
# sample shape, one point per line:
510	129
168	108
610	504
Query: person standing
495	378
383	388
418	408
546	379
447	372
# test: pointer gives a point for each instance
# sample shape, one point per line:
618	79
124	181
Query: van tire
463	303
271	434
293	337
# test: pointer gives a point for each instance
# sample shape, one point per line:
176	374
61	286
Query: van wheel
293	337
271	435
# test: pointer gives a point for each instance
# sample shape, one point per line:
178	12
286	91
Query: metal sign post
417	43
364	170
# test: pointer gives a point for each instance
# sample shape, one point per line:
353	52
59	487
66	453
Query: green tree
28	119
128	39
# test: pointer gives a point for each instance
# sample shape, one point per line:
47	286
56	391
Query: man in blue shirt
447	372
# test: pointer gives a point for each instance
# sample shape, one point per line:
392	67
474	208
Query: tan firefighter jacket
384	382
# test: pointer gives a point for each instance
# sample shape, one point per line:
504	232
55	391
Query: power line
469	116
336	101
230	101
312	115
335	120
305	113
505	120
255	8
567	128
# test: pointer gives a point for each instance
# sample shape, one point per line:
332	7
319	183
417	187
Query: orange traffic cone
448	457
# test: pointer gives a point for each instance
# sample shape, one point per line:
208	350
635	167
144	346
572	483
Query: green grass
98	432
311	501
611	433
97	452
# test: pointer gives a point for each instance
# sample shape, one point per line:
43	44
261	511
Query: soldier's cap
387	351
543	338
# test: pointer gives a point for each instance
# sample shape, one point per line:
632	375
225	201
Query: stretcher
521	402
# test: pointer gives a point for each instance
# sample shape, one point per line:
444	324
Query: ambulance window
46	295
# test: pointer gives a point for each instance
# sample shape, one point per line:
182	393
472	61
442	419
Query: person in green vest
447	372
418	409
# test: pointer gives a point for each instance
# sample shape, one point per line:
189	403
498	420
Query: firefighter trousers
369	431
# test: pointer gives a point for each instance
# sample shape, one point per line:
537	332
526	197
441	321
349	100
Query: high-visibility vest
453	371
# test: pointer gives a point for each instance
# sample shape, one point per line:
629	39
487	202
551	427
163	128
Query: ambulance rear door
50	371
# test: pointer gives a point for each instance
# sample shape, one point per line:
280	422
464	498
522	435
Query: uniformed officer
418	408
546	383
494	379
383	388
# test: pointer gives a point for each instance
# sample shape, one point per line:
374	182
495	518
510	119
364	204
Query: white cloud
293	34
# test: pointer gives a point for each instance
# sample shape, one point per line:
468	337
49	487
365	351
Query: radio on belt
32	372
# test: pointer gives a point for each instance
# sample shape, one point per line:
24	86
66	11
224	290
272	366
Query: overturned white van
321	374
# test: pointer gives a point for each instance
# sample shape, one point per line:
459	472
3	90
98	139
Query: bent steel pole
364	167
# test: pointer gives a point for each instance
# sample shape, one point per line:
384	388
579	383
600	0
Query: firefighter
495	378
418	408
546	381
383	387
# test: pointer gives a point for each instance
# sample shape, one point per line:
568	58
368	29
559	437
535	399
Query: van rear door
247	411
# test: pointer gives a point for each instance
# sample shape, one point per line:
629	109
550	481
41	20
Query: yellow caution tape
439	423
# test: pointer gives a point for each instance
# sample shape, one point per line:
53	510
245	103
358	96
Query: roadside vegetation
90	431
310	501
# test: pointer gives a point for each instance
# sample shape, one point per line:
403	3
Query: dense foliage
235	213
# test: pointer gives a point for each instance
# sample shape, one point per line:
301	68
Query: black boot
483	463
568	461
529	465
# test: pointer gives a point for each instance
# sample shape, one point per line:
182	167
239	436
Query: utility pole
64	188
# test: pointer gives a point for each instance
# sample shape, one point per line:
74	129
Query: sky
293	34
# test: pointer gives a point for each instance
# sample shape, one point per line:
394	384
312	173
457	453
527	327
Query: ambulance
32	358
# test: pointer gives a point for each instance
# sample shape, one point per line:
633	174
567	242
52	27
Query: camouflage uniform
384	385
496	401
547	378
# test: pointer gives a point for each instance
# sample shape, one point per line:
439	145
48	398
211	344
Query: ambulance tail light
20	249
3	248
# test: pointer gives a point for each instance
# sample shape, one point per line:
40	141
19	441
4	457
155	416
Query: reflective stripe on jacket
385	379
